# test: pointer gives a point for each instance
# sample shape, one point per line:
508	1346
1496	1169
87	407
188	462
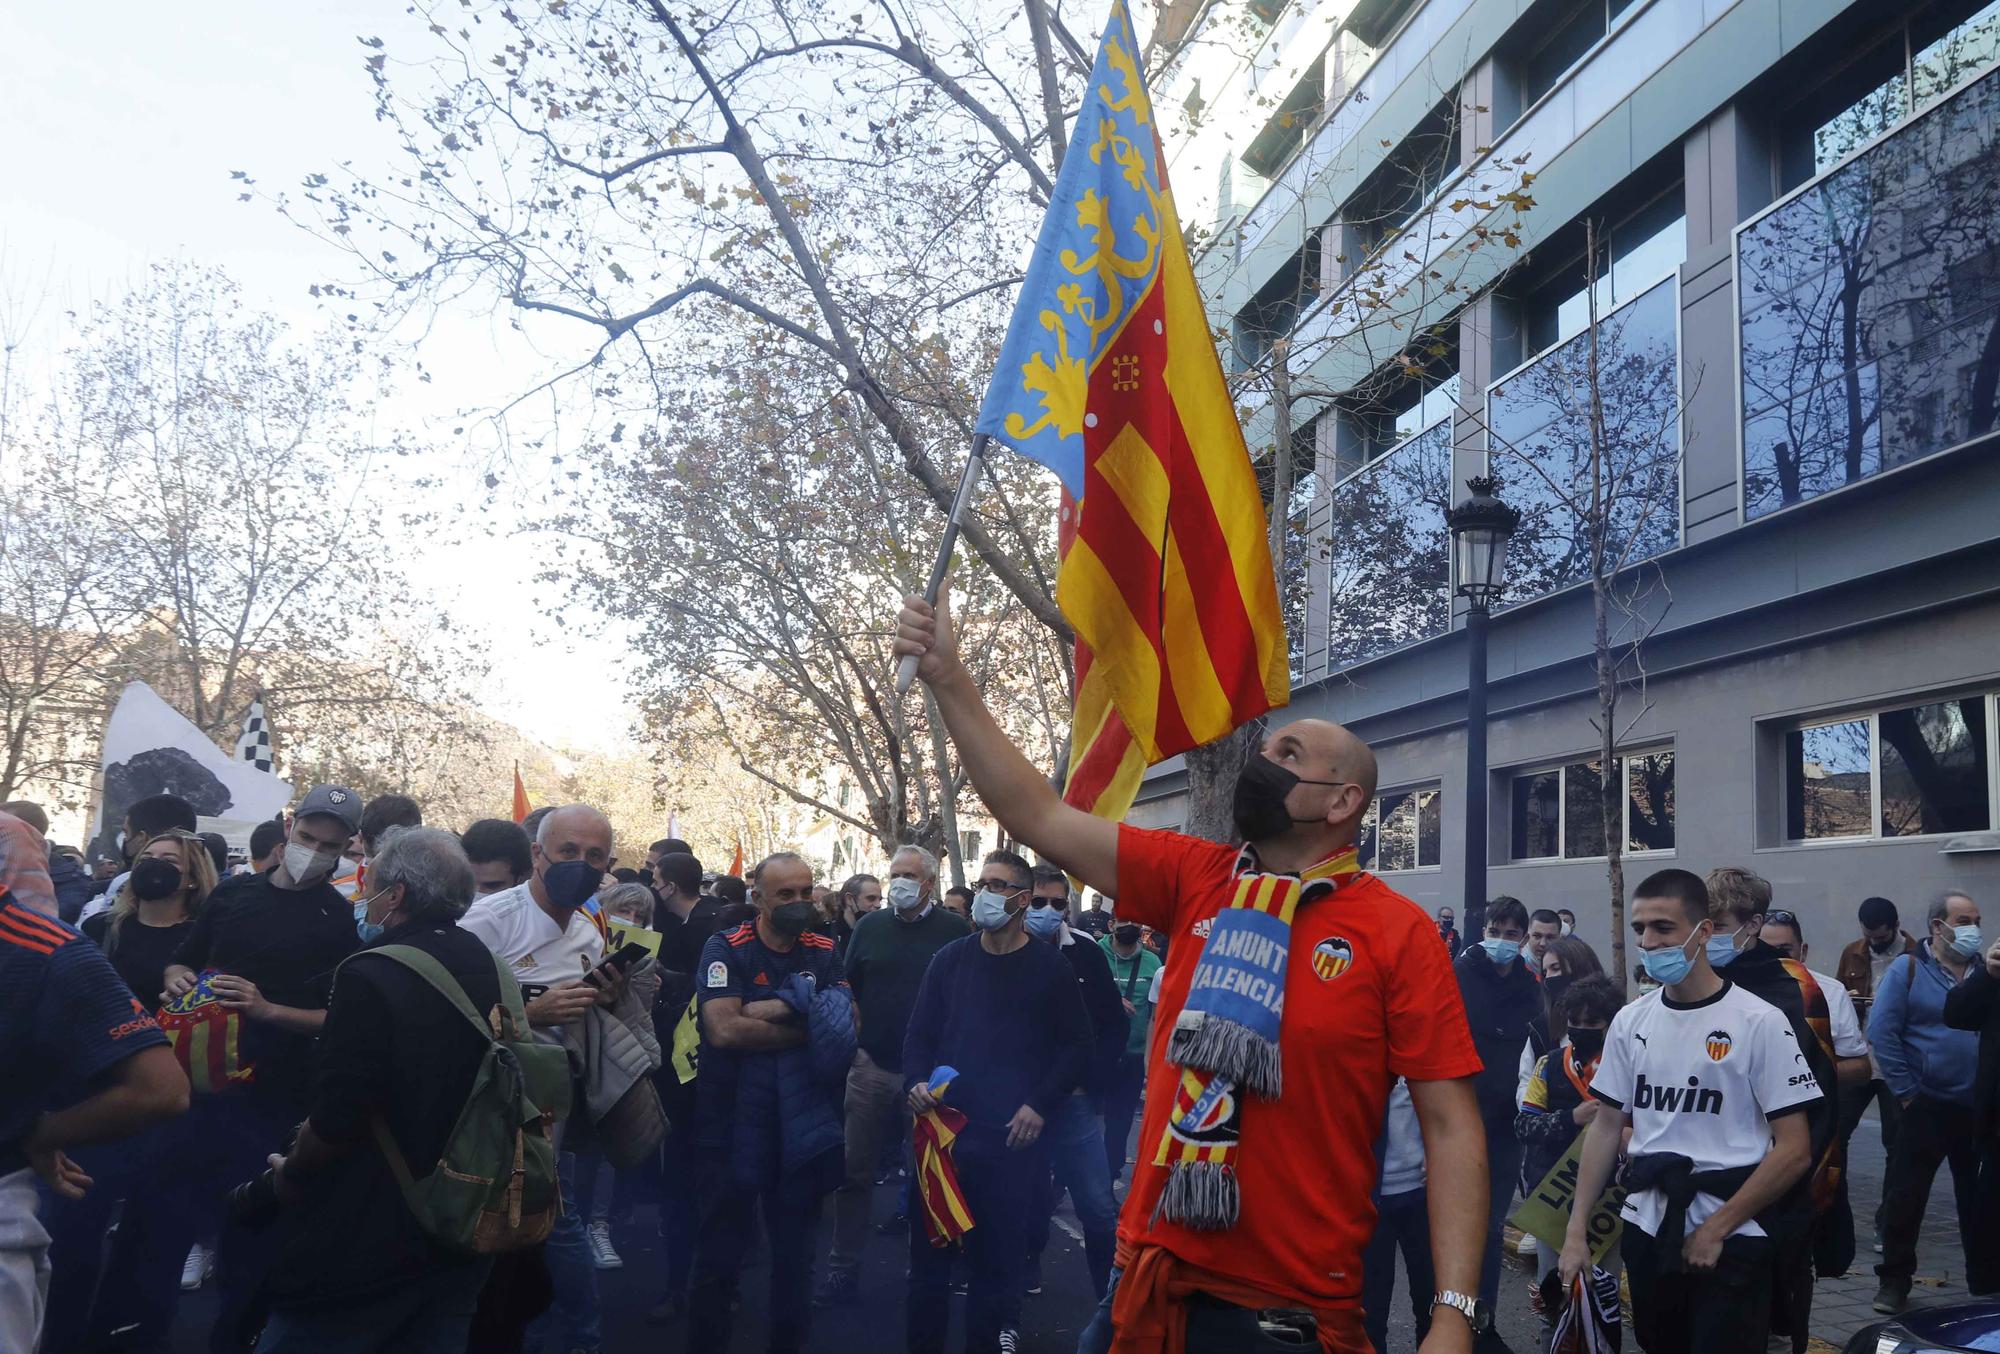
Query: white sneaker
1527	1245
199	1266
602	1253
1010	1340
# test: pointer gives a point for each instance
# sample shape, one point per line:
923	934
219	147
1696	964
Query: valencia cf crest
1332	957
1719	1044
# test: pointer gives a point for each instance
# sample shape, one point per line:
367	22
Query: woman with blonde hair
152	914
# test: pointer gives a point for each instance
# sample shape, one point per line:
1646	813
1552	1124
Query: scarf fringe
1202	1196
1229	1049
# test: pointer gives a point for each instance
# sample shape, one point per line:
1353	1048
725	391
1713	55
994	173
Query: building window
1401	186
1636	247
1402	830
1919	770
1287	129
1540	447
1555	813
1275	308
1544	46
1922	57
1870	309
1386	558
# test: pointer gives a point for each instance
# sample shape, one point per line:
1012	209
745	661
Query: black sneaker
1033	1285
667	1310
838	1289
1010	1340
1893	1296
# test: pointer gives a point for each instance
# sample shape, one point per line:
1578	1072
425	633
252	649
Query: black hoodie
1499	1006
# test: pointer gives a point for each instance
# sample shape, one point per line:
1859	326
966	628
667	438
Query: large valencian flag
1109	377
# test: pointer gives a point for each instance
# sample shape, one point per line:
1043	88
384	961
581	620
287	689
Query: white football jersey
1701	1081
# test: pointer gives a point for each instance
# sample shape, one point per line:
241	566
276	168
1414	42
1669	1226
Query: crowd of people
389	1087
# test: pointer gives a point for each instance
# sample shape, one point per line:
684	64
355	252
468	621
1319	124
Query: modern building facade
1793	208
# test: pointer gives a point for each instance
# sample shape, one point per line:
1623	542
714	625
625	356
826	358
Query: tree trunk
947	807
1212	769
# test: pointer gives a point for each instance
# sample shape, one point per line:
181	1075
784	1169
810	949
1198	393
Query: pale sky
123	122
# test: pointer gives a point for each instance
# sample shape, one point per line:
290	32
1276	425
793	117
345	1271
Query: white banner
150	748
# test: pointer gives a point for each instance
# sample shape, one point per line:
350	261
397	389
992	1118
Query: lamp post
1481	526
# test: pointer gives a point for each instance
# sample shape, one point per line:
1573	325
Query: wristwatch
1472	1309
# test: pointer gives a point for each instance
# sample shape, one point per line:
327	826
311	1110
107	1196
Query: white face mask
306	865
905	894
989	910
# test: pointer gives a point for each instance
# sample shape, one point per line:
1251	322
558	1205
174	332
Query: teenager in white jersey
1709	1078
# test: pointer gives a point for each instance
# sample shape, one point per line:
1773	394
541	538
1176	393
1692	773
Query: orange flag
736	865
520	795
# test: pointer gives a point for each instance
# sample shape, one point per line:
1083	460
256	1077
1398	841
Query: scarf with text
1226	1038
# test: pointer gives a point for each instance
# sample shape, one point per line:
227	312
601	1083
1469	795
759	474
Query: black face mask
1587	1043
154	879
646	875
1126	935
793	919
1552	991
1259	805
1444	925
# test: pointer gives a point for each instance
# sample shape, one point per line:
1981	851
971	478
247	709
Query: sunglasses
1782	918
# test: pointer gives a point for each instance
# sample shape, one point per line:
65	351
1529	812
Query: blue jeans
1074	1137
429	1315
1096	1337
571	1272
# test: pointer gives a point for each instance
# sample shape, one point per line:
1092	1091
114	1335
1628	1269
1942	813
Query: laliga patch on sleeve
718	974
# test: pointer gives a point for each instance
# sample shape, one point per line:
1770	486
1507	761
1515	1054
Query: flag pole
906	671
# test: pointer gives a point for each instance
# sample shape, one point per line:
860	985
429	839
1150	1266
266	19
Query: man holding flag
1297	988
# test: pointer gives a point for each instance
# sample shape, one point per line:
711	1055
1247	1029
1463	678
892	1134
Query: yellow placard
687	1044
1544	1213
618	935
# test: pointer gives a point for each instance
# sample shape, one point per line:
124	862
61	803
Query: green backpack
494	1188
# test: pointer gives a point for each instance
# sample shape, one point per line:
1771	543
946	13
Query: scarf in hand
1226	1039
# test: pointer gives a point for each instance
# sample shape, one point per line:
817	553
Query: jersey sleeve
1535	1095
1779	1073
1429	1037
717	974
1615	1072
1150	868
88	1016
1848	1041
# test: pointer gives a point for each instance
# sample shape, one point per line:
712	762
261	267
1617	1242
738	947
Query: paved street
1052	1321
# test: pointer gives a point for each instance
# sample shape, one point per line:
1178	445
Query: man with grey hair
540	930
1930	1069
885	964
349	1258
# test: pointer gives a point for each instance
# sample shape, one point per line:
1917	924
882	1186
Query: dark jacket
1975	1005
1499	1007
73	887
1109	1025
1784	983
788	1104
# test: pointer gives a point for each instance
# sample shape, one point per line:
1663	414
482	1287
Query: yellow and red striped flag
520	795
947	1216
1109	377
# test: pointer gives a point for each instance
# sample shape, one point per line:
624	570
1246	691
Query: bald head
1321	813
574	832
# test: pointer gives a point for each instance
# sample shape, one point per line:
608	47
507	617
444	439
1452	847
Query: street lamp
1481	526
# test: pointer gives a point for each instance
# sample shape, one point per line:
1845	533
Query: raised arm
1017	794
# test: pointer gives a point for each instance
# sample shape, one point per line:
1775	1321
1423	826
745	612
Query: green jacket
1134	980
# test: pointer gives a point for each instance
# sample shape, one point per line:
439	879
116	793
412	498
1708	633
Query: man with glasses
1075	1134
1004	1013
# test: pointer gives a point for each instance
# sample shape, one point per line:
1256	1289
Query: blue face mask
1964	941
1501	952
1044	922
369	931
1669	964
570	883
989	910
1722	950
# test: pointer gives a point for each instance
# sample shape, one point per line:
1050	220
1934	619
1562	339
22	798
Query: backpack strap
440	980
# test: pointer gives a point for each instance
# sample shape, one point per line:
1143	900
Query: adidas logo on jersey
1693	1099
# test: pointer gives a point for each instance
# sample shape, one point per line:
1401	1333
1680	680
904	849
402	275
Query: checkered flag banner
254	746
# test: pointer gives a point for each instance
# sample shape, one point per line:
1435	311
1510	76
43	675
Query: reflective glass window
1649	802
1387	553
1539	444
1536	810
1870	308
1934	775
1826	781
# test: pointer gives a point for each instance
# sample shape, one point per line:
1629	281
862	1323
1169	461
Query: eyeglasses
1006	886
